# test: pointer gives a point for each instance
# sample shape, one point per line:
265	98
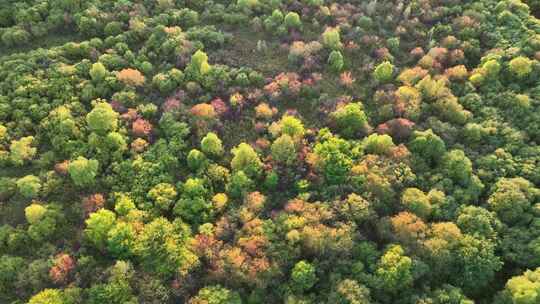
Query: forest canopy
270	151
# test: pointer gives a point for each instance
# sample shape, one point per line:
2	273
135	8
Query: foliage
211	145
350	119
102	118
246	159
217	152
29	186
303	276
384	72
83	171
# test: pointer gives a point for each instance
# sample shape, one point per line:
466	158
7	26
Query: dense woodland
269	151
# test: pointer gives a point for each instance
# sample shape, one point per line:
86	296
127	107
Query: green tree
292	126
196	160
350	119
98	226
448	294
216	295
350	292
211	145
121	240
163	195
417	202
284	150
512	199
477	263
124	204
292	21
335	61
162	248
478	222
334	160
102	118
457	166
520	66
199	62
10	266
22	150
98	72
303	276
48	296
427	146
29	186
378	144
240	184
524	289
34	213
331	38
394	270
246	159
384	72
83	171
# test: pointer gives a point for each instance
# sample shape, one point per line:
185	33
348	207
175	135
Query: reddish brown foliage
62	167
171	104
219	106
93	203
61	269
408	228
400	128
141	128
